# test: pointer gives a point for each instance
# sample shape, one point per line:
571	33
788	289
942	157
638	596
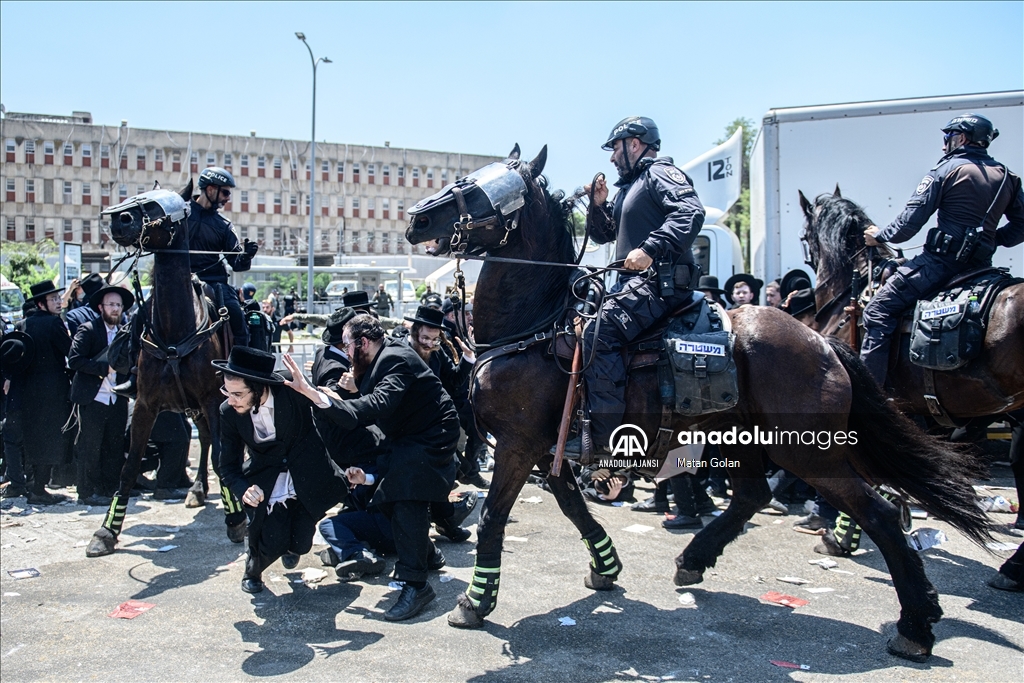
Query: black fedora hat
92	283
356	300
752	282
709	283
43	289
96	298
17	351
792	281
425	315
802	301
336	324
251	364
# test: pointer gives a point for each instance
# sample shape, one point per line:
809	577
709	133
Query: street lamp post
312	177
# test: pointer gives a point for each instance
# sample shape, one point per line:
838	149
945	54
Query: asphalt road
202	627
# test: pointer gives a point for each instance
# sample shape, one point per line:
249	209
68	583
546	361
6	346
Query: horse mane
838	229
558	225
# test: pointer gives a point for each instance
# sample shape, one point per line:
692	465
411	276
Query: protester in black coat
287	483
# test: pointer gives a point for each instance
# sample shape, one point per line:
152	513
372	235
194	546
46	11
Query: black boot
128	388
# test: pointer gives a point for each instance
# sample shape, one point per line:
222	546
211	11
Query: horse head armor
148	219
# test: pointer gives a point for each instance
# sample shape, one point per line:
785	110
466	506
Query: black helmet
975	128
215	175
635	127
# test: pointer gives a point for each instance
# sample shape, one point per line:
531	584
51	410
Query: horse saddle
948	330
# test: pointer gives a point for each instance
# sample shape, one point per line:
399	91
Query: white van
11	301
408	291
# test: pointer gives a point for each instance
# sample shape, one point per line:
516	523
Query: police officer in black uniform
654	219
209	231
971	191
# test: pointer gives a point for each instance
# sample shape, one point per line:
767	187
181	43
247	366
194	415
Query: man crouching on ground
398	393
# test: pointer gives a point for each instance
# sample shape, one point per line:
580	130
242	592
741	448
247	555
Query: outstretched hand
467	353
298	381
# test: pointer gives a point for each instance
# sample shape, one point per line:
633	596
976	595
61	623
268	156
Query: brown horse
991	384
174	366
790	379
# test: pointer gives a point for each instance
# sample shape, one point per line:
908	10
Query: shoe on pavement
410	603
463	508
650	505
812	522
15	491
436	560
475	480
830	546
1004	583
708	507
95	500
290	560
170	494
776	506
329	557
251	585
44	498
683	522
363	562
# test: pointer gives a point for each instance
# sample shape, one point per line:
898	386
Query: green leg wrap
231	504
847	532
114	519
604	560
483	589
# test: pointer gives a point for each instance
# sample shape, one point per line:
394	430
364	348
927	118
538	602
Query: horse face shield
502	188
131	220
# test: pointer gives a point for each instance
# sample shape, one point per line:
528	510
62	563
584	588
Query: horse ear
837	193
514	154
537	165
805	205
186	193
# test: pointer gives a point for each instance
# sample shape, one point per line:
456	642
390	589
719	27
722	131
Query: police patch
675	174
924	184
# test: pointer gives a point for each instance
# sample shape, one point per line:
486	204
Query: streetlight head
326	60
300	35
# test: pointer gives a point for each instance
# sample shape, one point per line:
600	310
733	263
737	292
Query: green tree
26	263
738	218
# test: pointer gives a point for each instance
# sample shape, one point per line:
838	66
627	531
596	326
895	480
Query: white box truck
877	152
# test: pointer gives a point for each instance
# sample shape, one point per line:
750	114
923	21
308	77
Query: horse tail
892	450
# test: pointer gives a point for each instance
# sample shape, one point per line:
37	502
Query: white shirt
263	421
106	394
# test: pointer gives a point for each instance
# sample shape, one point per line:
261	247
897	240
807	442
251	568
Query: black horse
174	366
790	379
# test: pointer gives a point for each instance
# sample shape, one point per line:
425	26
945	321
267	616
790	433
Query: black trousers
284	530
99	451
410	527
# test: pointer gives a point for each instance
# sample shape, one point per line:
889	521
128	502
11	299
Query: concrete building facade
59	172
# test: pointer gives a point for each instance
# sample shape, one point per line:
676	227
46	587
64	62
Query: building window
140	159
193	163
244	199
86	155
309	173
48	229
176	162
325	170
30	151
371	171
277	167
139	189
69	154
293	204
227	160
355	241
355	173
341	207
444	177
243	162
401	175
355	205
30	191
277	202
369	207
12	229
67	191
385	207
416	177
69	230
47	152
105	195
261	202
430	177
87	193
30	229
401	209
158	159
341	171
294	169
10	146
48	191
11	192
261	166
325	205
104	156
387	175
86	231
122	193
211	159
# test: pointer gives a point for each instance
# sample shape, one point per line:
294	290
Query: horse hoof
236	532
195	499
464	616
102	543
688	577
597	582
907	649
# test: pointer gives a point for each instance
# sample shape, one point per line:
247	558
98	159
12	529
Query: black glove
250	248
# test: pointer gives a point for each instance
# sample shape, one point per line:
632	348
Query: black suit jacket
406	401
346	447
297	449
87	361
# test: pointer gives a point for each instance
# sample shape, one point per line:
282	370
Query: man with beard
399	394
102	414
286	484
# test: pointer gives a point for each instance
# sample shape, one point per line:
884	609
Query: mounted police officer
971	191
654	219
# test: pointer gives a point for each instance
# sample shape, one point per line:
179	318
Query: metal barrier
302	353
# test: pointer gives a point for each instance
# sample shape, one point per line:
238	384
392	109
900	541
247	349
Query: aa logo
628	441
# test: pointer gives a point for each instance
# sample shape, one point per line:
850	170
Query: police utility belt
942	243
672	277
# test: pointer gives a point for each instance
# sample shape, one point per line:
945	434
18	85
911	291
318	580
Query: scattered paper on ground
313	575
532	500
995	545
444	578
29	573
566	621
789	665
922	539
396	585
131	609
166	548
12	595
824	563
819	589
687	599
840	571
638	529
516	539
796	580
784	600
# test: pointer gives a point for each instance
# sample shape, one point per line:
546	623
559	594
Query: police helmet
248	290
215	175
976	129
635	127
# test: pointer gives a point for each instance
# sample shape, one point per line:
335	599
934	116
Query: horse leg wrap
483	588
231	504
114	519
847	532
604	560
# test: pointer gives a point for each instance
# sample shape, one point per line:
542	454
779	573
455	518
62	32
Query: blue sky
479	77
